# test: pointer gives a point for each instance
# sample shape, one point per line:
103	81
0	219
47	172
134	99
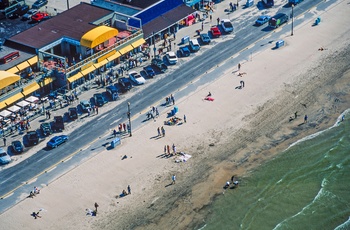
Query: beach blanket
209	99
183	158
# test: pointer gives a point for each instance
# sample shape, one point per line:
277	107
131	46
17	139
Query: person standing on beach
168	149
96	206
239	66
185	118
129	190
305	119
158	131
4	139
173	179
296	114
164	149
163	131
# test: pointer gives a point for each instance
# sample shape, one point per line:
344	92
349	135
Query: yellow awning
30	88
75	77
98	65
13	70
2	105
114	56
33	60
106	56
13	99
126	49
138	43
97	36
7	78
23	65
88	70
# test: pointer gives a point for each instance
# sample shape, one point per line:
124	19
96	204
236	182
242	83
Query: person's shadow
168	185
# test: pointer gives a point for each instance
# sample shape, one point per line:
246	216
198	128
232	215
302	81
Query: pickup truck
278	20
33	138
58	124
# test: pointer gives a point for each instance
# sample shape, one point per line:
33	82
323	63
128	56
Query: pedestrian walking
157	112
296	114
218	20
96	109
168	149
129	190
153	109
239	66
185	118
158	131
305	119
4	139
96	206
173	179
242	84
172	99
174	149
163	131
202	26
124	127
114	133
164	149
93	109
89	111
211	18
49	114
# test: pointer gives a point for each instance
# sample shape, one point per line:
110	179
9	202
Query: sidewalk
219	12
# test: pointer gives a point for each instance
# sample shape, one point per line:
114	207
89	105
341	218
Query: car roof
171	53
84	101
225	20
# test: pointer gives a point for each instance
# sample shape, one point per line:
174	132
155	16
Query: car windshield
3	154
172	56
227	24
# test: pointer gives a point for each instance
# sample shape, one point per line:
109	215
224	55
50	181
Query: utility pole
292	20
154	44
67	4
129	116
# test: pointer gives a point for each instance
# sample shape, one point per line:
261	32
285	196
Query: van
194	45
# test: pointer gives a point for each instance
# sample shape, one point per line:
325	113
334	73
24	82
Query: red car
215	31
40	16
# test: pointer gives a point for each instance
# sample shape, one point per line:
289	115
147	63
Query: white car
172	58
136	77
4	157
194	45
227	25
29	14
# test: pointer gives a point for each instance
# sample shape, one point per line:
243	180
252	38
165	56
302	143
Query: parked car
194	45
171	57
17	146
112	92
184	51
85	105
4	157
73	113
99	99
56	141
20	11
158	63
215	31
149	71
33	138
46	129
226	25
136	78
262	20
40	16
125	83
39	3
58	124
205	38
29	14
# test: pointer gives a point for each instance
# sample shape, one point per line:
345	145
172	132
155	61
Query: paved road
245	35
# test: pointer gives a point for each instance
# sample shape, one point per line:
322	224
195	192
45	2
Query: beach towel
209	99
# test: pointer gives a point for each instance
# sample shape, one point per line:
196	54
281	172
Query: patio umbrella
5	113
14	108
32	99
23	103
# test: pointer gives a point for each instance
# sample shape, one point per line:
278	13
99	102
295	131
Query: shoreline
242	130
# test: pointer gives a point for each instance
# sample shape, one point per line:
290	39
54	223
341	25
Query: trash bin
185	39
279	43
115	142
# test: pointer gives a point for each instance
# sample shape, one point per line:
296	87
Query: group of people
161	131
93	109
170	99
34	192
122	128
167	150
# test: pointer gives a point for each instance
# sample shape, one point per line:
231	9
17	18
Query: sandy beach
232	135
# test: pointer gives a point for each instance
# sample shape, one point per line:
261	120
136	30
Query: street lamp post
129	116
292	20
154	45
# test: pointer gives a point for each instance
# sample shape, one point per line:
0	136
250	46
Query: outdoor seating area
13	117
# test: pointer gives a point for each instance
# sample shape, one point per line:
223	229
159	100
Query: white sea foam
344	226
337	123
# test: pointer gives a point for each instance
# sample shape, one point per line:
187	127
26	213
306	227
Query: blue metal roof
157	10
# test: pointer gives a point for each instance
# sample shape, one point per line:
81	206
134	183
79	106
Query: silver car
29	14
4	157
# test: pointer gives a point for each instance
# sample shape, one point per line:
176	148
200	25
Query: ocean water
305	187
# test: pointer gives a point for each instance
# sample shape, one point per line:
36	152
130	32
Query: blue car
262	20
4	157
149	71
56	141
185	51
